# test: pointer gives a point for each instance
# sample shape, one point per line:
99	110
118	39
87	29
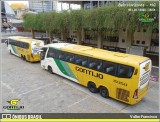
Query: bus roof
24	39
122	58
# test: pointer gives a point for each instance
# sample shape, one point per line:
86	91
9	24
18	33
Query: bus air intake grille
122	94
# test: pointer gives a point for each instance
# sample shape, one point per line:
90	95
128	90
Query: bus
120	76
25	47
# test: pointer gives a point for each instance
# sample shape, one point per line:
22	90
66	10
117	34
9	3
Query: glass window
25	45
95	64
51	53
125	71
81	60
43	53
60	55
21	44
109	68
68	56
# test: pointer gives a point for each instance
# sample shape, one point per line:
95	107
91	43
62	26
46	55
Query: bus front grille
122	94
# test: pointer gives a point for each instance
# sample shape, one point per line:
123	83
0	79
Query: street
42	92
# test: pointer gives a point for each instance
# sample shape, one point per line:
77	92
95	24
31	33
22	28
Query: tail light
135	96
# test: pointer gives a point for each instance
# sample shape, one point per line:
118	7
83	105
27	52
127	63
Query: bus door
43	56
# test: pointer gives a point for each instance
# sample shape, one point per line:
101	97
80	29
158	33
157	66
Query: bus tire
104	92
21	56
50	69
92	87
10	51
24	58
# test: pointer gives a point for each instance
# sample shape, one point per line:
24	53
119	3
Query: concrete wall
143	37
122	36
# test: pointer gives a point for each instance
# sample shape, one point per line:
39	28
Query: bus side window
43	53
51	53
81	60
125	71
78	61
95	64
71	59
67	57
99	67
109	68
60	55
84	63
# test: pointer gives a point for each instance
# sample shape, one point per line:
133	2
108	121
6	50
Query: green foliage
108	18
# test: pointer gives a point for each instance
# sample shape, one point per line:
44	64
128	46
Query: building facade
40	6
118	41
7	15
19	9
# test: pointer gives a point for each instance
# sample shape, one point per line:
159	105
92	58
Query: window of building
144	30
137	42
123	40
143	42
155	30
124	30
155	42
125	71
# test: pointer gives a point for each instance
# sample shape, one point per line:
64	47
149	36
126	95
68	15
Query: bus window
72	59
78	60
109	68
125	71
95	64
51	53
67	57
81	60
26	45
60	55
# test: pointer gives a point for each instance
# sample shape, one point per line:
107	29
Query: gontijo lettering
94	74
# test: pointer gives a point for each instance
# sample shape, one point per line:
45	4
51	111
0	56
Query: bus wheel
10	51
50	69
21	56
104	92
24	58
92	87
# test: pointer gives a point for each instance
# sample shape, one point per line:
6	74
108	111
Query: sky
64	5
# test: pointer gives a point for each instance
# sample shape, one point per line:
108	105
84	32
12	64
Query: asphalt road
42	92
